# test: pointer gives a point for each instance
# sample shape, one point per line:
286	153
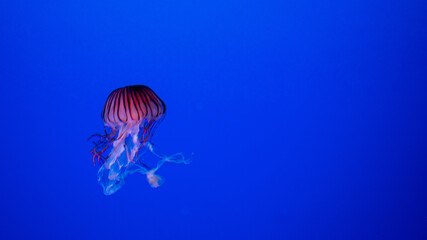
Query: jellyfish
131	114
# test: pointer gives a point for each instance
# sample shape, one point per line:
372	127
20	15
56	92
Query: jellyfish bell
131	115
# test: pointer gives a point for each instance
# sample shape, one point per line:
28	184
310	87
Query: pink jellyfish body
131	114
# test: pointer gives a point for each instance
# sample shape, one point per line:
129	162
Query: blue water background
307	118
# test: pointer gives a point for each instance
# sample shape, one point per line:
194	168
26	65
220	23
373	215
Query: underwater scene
182	120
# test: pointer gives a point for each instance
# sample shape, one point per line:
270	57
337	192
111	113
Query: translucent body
131	114
126	158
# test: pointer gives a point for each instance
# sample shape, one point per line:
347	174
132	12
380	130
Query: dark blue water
307	118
